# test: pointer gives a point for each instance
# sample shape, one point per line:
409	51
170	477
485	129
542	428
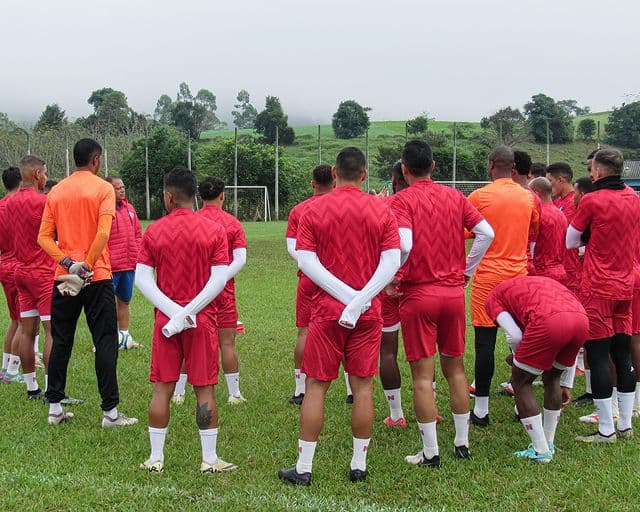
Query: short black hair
322	175
210	188
397	177
84	150
50	184
584	184
560	169
11	178
523	162
592	154
350	163
418	157
611	159
538	169
182	182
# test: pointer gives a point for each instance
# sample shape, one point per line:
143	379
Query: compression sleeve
406	244
311	266
511	329
148	287
291	248
100	240
572	239
239	261
484	236
46	240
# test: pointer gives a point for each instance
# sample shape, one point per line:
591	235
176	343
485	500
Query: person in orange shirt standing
80	210
511	211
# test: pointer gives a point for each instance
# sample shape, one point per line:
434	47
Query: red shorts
10	292
226	310
635	312
607	316
35	290
197	347
553	342
327	343
433	319
304	300
390	313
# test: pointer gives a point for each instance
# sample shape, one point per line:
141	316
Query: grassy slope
78	466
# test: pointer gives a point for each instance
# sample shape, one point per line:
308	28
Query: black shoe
357	475
297	399
292	476
462	452
67	400
582	400
433	462
481	422
38	394
349	399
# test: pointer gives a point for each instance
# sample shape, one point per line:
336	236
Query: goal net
248	202
466	187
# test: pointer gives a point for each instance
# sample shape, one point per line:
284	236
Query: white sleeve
511	329
239	261
572	239
484	237
146	283
532	248
291	248
406	244
311	266
387	267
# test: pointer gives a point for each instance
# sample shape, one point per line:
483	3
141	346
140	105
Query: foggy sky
456	59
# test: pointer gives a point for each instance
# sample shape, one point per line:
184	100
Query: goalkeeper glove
78	268
71	285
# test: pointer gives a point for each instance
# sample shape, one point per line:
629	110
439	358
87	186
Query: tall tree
623	127
162	113
543	109
572	108
52	118
271	117
246	113
350	120
6	123
507	123
586	129
190	114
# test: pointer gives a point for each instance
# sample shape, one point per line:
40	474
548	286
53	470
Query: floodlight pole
547	123
188	151
277	188
106	157
146	176
455	153
66	154
598	139
319	147
235	172
366	157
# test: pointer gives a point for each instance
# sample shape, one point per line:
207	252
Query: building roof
631	169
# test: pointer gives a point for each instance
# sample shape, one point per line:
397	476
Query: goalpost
248	202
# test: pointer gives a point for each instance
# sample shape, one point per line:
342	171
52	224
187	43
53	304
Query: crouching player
189	254
555	328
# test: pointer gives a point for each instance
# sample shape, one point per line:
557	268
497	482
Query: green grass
79	466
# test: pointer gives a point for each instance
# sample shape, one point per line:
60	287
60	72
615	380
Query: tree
350	120
623	127
6	123
271	117
190	114
542	109
162	113
586	129
97	97
418	125
111	113
571	107
246	113
507	123
52	118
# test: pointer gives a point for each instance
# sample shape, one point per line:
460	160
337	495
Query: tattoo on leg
203	416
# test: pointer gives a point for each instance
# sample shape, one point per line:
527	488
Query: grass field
79	466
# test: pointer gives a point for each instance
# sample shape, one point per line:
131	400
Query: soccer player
80	210
212	194
545	326
188	252
537	170
11	179
511	211
635	327
581	187
348	244
606	220
321	183
124	244
34	269
432	220
520	174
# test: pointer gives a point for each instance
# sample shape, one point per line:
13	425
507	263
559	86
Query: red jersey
8	260
182	247
566	205
23	213
572	260
347	229
531	299
233	228
437	217
548	258
612	217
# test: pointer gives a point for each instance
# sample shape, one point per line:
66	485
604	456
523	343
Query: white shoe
236	400
593	418
177	399
120	421
218	466
153	467
636	412
56	419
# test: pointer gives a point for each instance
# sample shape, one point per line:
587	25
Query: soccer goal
248	202
466	187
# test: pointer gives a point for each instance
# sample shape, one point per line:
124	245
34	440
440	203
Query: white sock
626	409
209	441
46	381
481	408
5	360
233	383
306	451
36	343
395	403
568	377
300	379
359	459
551	419
580	360
615	409
14	364
461	422
157	437
125	332
112	414
429	437
587	380
605	416
31	381
180	385
637	402
346	381
55	409
533	426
